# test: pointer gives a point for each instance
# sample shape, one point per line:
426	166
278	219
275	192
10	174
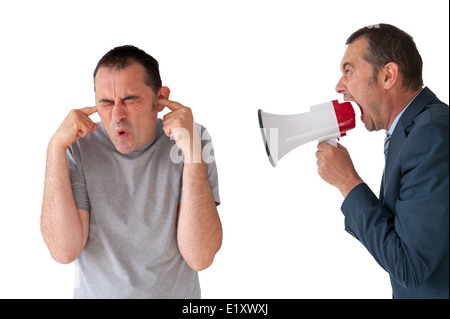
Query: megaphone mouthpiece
324	122
345	115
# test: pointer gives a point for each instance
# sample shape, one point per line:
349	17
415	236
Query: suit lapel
401	132
395	145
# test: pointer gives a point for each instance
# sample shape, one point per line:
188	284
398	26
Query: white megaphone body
324	122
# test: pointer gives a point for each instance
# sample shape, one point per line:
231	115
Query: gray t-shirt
132	251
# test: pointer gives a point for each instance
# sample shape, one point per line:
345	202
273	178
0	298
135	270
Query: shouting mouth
361	109
349	98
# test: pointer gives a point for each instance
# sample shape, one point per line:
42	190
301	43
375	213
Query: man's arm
410	246
199	230
63	226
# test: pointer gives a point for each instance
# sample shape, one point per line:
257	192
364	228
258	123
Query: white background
283	229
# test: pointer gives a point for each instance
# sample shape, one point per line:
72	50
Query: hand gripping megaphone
324	122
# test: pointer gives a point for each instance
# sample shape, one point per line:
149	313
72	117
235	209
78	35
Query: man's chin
123	148
124	152
369	125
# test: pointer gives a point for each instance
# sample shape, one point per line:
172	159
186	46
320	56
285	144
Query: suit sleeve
410	242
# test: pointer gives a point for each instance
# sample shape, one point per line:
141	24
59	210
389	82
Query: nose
119	111
340	86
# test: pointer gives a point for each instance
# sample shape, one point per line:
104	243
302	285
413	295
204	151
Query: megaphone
324	122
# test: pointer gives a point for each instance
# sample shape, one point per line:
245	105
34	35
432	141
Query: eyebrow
346	64
130	97
106	101
125	98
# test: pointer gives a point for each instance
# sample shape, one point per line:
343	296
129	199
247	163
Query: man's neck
401	102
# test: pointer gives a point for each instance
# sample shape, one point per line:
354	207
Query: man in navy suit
406	228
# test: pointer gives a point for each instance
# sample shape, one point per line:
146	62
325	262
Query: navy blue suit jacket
406	229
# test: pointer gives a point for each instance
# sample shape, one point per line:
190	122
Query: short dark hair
387	43
121	57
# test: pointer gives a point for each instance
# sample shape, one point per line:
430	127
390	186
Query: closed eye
106	103
130	98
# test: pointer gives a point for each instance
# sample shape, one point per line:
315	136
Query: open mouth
360	108
121	133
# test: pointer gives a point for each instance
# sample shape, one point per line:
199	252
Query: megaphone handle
332	141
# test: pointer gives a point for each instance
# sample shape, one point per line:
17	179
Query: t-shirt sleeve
210	160
77	179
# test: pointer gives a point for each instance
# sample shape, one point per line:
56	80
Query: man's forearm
199	233
61	224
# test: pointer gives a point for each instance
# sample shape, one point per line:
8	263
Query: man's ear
390	75
164	93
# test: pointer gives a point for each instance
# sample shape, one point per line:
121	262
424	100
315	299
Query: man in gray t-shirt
132	199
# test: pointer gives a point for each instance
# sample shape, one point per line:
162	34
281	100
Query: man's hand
76	125
336	167
179	124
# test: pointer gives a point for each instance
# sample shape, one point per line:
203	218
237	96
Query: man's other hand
179	125
76	125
